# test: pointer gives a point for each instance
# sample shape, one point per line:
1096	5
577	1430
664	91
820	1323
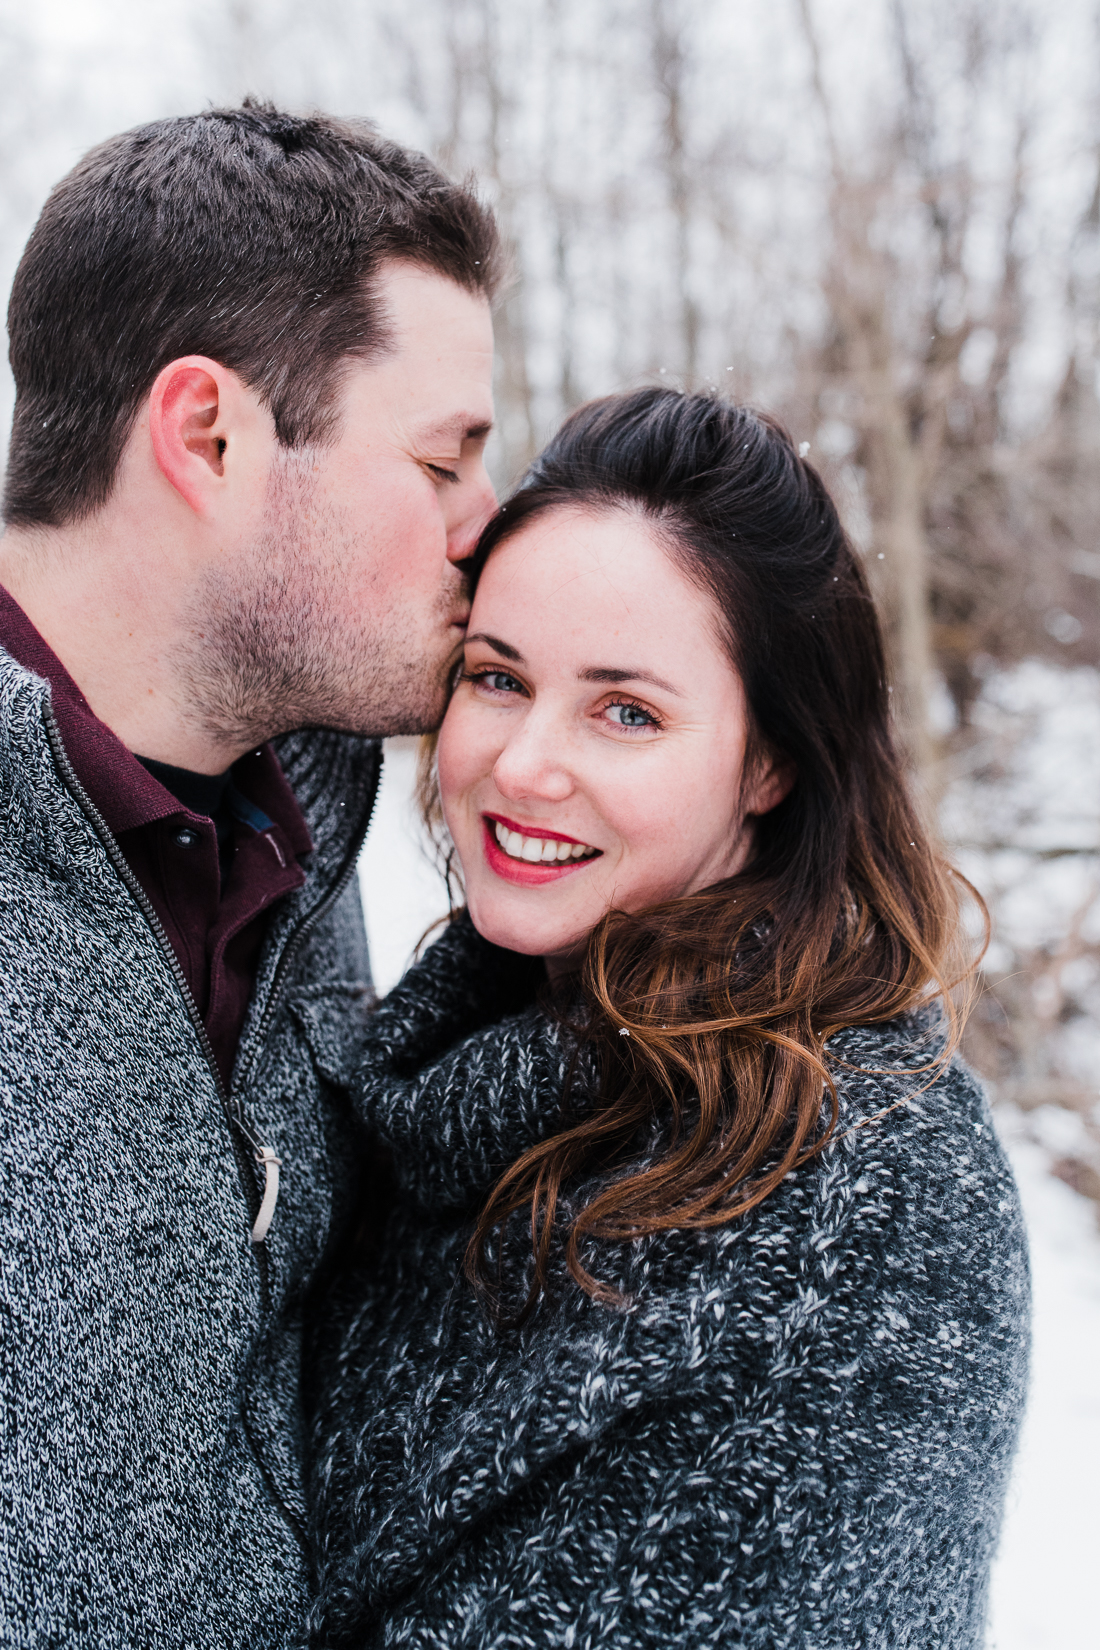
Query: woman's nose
532	764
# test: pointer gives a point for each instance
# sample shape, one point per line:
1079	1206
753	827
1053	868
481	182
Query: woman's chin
512	932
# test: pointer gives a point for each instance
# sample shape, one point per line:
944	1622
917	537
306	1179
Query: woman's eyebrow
594	673
503	648
608	673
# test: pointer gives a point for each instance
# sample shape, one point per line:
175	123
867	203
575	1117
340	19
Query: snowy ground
1042	1595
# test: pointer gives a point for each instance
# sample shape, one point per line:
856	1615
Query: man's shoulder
22	697
41	827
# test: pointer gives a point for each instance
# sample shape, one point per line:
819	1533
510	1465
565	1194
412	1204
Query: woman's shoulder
882	1287
917	1128
907	1221
918	1182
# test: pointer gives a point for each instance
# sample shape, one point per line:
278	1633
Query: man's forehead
420	307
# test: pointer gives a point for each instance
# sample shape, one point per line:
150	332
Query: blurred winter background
880	218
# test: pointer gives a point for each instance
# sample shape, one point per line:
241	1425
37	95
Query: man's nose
477	504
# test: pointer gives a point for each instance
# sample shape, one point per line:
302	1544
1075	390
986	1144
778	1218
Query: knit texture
797	1434
150	1426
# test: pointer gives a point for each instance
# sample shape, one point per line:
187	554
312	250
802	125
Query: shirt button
185	837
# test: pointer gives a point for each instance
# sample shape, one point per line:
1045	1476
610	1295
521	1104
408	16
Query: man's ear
188	426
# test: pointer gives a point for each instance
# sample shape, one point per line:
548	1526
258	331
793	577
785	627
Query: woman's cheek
457	754
466	758
452	758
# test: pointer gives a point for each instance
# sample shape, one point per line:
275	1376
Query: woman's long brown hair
846	914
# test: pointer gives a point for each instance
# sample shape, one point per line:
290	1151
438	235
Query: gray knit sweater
798	1434
150	1433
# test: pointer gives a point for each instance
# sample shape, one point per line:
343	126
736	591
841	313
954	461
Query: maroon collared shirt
216	931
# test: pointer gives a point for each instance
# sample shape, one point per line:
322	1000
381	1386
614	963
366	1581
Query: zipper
305	928
241	1134
261	1209
270	1161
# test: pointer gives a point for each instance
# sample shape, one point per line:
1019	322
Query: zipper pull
271	1163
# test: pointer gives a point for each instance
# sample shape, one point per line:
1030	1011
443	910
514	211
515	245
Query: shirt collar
124	792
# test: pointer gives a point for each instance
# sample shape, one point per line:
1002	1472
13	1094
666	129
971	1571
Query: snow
403	893
1030	776
1042	1594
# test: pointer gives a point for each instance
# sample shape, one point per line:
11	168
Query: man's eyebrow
466	426
505	650
608	673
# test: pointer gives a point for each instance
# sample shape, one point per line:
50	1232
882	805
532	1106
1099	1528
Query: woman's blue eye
631	716
498	680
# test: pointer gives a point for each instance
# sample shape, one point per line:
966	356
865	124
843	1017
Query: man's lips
529	873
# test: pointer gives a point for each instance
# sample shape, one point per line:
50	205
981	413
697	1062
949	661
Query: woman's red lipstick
527	873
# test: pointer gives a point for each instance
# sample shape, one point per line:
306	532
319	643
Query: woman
699	1315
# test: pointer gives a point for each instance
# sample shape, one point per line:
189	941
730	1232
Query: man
252	357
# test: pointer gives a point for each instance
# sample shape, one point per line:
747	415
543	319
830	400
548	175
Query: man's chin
395	699
407	716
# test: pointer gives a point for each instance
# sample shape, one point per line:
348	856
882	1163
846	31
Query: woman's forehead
598	591
582	560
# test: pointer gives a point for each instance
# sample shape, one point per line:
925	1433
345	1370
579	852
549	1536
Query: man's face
349	611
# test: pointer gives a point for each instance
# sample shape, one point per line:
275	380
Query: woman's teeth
538	848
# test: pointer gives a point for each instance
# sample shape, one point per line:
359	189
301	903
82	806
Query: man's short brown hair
246	235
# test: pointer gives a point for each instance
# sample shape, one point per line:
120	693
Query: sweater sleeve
685	1527
629	1543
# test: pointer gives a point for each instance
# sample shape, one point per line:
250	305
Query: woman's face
592	754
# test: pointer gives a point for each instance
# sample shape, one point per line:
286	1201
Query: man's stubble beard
273	650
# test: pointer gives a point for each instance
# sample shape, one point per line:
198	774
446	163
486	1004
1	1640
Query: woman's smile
531	856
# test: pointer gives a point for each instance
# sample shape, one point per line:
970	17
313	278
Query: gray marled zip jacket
797	1436
150	1482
